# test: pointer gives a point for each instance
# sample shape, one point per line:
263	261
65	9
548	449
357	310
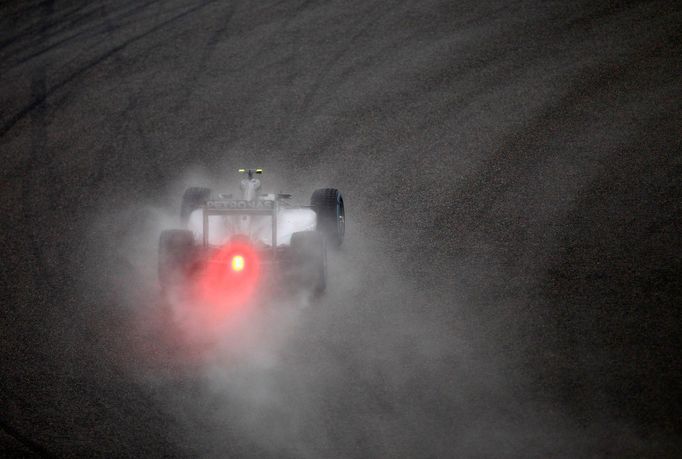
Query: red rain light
237	263
230	276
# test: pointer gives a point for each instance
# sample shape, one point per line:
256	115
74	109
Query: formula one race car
231	248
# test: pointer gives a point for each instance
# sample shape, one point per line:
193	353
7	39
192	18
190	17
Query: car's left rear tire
192	199
177	252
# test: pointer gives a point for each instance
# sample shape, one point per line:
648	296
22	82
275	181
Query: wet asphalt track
510	286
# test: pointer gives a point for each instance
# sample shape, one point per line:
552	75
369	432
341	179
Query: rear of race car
235	251
232	251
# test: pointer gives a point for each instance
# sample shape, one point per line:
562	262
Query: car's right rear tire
309	253
176	257
331	214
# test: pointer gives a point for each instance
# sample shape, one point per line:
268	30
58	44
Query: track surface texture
510	281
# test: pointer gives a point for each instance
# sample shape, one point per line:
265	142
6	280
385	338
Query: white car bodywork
221	228
258	228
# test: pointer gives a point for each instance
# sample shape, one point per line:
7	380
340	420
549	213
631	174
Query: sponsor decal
240	204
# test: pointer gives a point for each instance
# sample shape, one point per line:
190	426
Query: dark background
510	284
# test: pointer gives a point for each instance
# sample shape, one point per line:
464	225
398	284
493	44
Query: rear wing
240	207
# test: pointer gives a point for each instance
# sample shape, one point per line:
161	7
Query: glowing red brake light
237	263
230	276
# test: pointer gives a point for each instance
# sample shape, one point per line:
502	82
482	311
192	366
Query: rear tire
176	257
192	199
331	215
309	253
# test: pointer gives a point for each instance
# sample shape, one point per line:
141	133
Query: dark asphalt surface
510	285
